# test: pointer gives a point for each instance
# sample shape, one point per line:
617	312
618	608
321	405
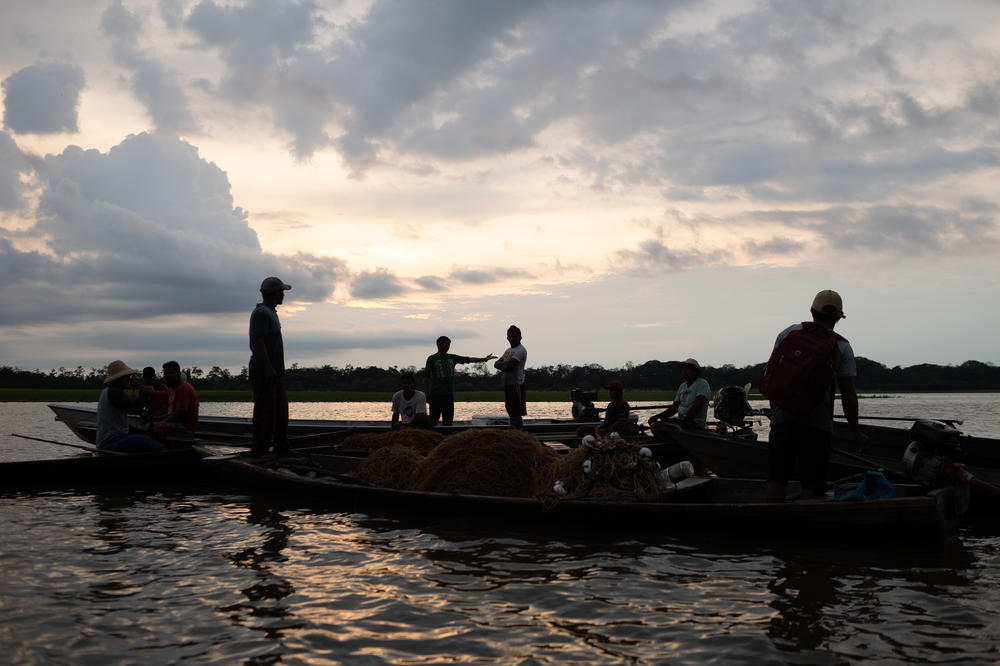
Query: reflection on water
159	578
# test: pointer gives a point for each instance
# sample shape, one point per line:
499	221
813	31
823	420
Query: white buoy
645	452
678	471
558	488
588	440
587	466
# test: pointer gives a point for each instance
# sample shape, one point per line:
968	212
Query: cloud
43	98
148	228
379	283
485	276
775	245
12	165
153	84
655	257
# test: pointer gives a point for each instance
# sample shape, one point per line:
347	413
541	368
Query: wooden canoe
237	431
702	503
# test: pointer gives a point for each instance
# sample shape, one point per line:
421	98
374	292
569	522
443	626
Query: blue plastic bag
873	486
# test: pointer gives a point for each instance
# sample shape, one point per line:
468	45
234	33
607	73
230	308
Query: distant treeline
872	376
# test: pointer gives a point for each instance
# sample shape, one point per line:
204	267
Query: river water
209	575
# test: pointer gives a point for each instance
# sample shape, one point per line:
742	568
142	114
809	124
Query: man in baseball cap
267	372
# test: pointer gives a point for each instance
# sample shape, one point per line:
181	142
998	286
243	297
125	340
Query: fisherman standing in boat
113	408
511	366
439	381
691	400
267	372
802	396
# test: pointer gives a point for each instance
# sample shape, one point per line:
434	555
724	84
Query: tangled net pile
510	463
604	467
414	438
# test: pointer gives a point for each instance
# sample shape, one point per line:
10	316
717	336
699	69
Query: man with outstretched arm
439	381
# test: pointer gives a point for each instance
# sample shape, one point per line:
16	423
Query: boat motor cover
935	433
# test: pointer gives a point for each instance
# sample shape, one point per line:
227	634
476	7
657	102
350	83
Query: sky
625	181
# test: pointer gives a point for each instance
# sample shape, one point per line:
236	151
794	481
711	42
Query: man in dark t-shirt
267	372
439	381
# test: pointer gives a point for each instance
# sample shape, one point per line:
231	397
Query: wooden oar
75	446
900	418
319	435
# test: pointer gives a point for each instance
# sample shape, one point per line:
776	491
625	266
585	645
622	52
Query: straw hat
117	370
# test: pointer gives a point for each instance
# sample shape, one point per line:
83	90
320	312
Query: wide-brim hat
693	363
117	370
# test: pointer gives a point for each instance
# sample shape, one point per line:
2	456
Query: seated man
155	407
408	403
182	405
616	415
691	401
113	409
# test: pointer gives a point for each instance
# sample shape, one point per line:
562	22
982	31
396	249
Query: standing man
802	396
691	400
267	372
439	381
511	366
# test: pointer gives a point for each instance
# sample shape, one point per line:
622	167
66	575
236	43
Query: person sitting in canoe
113	409
408	403
691	401
616	414
155	408
181	419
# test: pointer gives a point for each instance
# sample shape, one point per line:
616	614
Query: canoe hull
701	504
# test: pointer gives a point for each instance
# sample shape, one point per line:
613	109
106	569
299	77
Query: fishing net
504	463
392	466
605	467
414	438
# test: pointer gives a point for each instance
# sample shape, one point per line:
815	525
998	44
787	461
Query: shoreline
638	395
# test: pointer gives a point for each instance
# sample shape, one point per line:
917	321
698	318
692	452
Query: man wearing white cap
267	372
802	393
113	409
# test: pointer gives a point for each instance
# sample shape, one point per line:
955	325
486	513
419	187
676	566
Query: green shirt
440	372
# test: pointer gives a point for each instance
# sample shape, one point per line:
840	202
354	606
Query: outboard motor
583	405
731	405
930	457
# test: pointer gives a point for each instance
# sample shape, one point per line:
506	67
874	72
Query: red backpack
801	368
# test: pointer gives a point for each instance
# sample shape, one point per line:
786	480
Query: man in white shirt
511	366
408	402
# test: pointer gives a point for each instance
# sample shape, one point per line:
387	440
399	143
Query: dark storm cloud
153	84
148	228
43	98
